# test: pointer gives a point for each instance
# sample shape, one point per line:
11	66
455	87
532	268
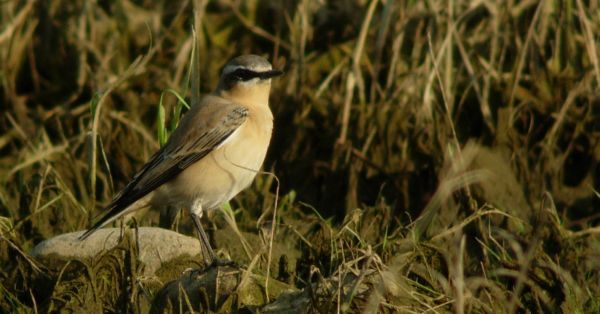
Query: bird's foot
223	263
220	263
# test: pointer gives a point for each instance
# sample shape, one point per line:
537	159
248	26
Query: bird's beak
269	74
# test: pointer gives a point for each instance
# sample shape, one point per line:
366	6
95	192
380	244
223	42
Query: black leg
209	255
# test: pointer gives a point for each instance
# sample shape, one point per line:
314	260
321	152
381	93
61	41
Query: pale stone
157	246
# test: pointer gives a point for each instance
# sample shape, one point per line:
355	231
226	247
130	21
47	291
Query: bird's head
247	73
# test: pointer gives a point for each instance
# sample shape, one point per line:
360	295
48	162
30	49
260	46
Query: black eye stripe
243	74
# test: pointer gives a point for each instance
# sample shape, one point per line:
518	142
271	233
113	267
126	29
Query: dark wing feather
188	144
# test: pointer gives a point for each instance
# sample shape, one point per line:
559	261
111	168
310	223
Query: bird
214	153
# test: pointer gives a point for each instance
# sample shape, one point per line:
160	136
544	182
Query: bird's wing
202	129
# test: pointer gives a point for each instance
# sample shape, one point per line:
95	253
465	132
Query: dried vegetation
433	156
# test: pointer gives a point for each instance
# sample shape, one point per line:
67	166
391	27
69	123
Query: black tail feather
113	213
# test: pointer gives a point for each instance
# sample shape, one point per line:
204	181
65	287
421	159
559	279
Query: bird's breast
227	170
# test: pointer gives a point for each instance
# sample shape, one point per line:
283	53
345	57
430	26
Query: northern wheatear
215	152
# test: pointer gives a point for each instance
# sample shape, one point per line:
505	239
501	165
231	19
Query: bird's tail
114	212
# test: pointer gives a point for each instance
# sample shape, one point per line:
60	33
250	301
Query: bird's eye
243	75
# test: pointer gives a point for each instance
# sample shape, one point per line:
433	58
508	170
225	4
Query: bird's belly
221	175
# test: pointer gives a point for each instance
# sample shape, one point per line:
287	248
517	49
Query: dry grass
434	156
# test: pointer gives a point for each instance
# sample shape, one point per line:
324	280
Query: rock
124	261
156	246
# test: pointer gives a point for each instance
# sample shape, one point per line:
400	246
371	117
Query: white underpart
196	208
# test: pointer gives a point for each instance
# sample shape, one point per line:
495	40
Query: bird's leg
210	258
209	255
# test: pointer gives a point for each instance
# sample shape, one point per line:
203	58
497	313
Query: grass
437	156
